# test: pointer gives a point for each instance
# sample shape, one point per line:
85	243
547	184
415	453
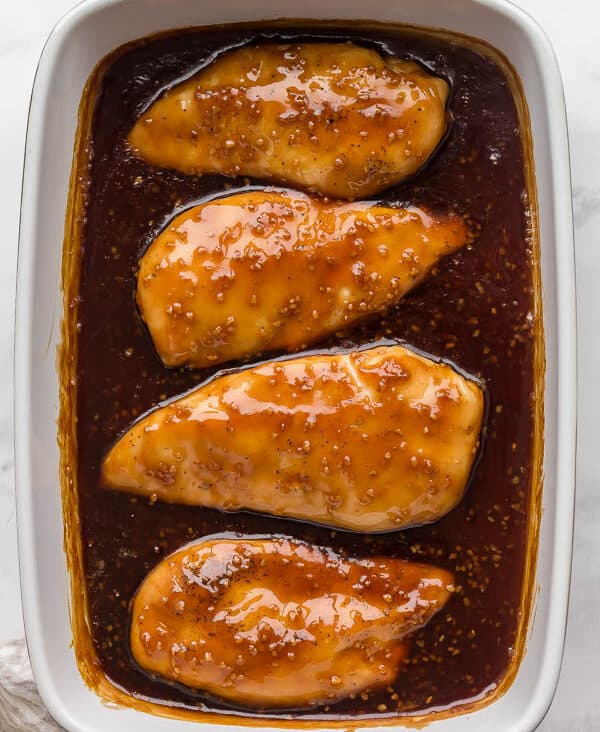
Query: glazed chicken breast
334	118
278	270
373	440
279	623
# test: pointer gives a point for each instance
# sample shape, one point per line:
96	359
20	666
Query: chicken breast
275	270
373	440
335	118
279	623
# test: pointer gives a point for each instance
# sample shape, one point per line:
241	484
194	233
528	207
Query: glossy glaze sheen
272	270
333	118
370	441
280	623
476	309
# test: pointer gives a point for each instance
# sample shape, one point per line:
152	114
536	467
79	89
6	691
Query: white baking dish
78	42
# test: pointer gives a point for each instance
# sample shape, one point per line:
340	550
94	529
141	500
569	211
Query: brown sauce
476	310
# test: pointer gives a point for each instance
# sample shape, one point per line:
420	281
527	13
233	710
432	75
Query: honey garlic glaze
286	271
330	117
269	622
369	441
476	309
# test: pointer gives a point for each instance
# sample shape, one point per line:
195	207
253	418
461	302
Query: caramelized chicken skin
374	440
279	623
268	270
335	118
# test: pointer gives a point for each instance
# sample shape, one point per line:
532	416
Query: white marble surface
573	29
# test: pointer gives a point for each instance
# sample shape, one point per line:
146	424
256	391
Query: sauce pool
476	310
